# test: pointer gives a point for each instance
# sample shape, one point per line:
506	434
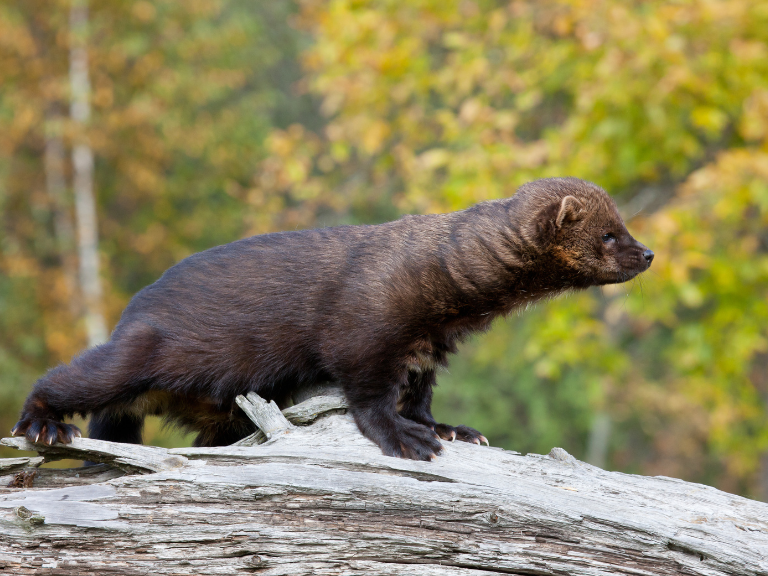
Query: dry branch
321	499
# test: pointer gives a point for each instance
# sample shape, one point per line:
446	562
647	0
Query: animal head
578	228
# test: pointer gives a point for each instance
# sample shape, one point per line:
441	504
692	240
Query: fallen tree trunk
322	499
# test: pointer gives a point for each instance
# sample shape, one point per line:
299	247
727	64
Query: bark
56	188
82	162
322	499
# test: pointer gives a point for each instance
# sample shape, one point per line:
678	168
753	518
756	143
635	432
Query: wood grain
322	499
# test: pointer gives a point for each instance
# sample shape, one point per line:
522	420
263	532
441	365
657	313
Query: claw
484	439
50	437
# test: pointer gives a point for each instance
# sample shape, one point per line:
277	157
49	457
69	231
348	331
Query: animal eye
608	237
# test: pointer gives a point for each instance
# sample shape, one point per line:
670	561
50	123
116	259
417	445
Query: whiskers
629	282
638	280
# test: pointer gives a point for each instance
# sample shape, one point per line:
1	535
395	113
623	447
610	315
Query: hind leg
223	434
116	427
104	376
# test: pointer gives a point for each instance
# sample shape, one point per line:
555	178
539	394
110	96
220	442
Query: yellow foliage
447	104
431	106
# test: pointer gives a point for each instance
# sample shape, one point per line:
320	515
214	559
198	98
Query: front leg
416	404
415	401
373	403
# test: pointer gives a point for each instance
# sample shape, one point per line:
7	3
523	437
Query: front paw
411	440
45	431
463	433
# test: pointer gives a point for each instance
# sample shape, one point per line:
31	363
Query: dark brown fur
377	308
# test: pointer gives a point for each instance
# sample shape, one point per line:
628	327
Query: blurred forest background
199	122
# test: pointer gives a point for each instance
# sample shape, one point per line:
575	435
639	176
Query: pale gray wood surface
309	410
267	417
322	499
14	464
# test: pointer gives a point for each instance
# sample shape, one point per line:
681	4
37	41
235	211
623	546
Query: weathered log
322	499
13	464
267	417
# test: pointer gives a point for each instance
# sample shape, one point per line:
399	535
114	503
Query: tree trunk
56	188
599	438
322	499
82	161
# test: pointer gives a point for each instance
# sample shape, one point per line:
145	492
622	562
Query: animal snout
648	255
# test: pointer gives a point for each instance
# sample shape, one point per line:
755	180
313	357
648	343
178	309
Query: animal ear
571	210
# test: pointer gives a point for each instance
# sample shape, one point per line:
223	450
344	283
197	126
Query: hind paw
45	431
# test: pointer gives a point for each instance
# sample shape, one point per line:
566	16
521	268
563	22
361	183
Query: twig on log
267	416
311	409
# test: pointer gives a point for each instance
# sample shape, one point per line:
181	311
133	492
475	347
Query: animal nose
648	255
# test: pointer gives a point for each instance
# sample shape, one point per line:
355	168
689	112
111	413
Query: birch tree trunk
599	436
56	188
316	497
82	161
